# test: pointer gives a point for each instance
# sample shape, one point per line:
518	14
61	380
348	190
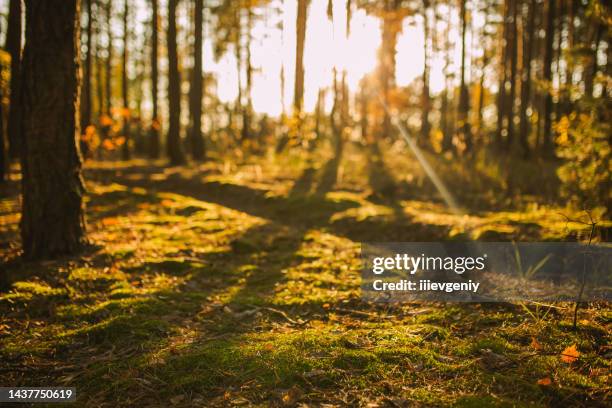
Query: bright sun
326	47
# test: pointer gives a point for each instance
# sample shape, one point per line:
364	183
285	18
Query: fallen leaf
110	221
291	396
570	354
544	381
535	344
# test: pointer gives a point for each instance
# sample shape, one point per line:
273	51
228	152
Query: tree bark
154	148
125	111
86	88
175	151
298	96
526	76
513	70
4	168
425	97
447	138
501	95
464	96
196	137
13	47
247	111
547	148
52	222
109	58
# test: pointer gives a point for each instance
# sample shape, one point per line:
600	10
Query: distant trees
52	220
532	80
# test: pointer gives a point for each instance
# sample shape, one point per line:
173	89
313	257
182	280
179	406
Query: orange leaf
110	221
544	381
535	344
570	354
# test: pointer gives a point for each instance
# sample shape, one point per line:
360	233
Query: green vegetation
214	288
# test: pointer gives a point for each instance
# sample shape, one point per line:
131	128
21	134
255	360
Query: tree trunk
513	69
86	88
154	148
175	152
247	111
390	30
547	148
52	222
591	67
109	58
125	111
464	96
99	70
13	47
447	138
196	138
526	74
501	95
425	98
298	96
4	162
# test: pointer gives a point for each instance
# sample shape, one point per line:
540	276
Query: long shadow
304	182
329	175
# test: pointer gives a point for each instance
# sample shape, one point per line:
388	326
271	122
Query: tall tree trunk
13	46
526	76
483	70
513	69
298	95
239	108
464	96
109	57
248	91
4	160
99	69
195	92
86	88
125	110
547	147
591	66
154	139
52	222
175	151
390	29
501	95
447	137
425	98
569	64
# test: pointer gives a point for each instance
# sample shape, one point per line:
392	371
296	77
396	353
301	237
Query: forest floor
238	284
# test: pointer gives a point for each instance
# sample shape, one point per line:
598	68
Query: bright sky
326	46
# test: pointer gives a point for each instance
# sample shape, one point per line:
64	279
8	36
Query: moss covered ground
236	283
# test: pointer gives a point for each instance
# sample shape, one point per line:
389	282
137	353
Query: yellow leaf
544	381
570	354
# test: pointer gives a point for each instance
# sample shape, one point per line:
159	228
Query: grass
238	284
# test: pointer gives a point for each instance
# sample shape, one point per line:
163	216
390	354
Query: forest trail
225	285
